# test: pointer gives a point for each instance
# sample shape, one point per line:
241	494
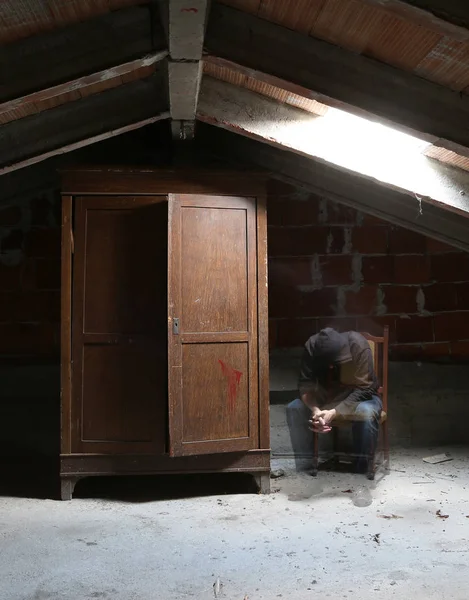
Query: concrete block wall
330	265
30	277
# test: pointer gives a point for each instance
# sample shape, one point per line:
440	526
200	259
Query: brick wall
331	265
30	277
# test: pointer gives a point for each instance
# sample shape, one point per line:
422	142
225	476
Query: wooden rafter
291	145
83	82
83	122
332	74
56	58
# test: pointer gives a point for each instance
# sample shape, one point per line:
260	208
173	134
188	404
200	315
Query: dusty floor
306	540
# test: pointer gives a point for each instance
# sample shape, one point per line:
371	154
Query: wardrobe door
119	333
213	345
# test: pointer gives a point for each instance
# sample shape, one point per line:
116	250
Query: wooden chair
380	349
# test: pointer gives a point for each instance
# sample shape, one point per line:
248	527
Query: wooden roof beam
83	82
89	120
187	21
337	77
426	197
66	55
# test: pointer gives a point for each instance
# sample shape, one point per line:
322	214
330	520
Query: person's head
331	347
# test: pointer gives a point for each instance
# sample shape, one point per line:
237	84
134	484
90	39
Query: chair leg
335	445
371	468
370	474
386	445
314	471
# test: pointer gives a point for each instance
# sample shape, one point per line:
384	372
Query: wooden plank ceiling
34	107
398	33
375	32
276	93
24	18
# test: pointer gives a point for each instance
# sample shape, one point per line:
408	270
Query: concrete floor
128	540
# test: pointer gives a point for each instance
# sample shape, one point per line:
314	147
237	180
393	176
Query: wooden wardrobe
164	324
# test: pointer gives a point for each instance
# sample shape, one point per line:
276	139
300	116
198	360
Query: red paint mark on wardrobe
192	10
233	378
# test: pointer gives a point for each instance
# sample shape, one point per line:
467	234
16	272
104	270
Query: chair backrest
380	349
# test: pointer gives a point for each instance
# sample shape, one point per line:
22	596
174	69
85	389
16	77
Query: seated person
337	379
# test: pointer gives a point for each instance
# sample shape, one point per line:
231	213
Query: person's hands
321	419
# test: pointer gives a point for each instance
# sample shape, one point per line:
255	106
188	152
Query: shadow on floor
37	477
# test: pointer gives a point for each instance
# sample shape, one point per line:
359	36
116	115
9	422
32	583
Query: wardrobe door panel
119	340
213	349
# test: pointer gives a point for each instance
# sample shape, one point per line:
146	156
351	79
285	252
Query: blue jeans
365	431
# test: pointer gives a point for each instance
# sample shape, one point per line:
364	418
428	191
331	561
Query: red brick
336	240
29	307
339	214
284	301
460	349
44	242
12	241
291	212
272	333
370	240
297	241
275	187
28	275
287	301
10	216
9	277
362	302
405	352
438	350
414	329
376	325
295	332
39	339
336	270
47	274
440	297
462	291
400	299
378	269
40	212
318	303
435	246
371	220
453	266
452	326
412	269
338	323
290	271
404	241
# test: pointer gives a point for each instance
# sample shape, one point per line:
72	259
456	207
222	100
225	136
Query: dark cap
331	347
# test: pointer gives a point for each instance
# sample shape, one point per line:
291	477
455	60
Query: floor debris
347	491
277	473
390	516
217	587
438	458
376	538
439	514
